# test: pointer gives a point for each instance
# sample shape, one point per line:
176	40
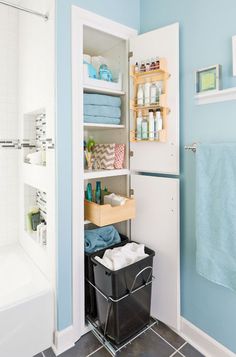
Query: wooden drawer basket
103	215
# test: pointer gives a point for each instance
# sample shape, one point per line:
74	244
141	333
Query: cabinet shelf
162	137
92	174
96	126
102	90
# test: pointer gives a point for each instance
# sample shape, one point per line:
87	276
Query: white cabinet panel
157	225
153	156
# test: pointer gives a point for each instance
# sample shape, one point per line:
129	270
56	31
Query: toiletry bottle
140	95
144	129
139	126
98	193
153	94
158	122
147	66
136	68
142	67
157	63
152	65
151	125
89	192
147	93
159	90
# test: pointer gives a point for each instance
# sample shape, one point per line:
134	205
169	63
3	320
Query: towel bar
192	147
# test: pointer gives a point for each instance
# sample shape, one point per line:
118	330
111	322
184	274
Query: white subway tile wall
9	171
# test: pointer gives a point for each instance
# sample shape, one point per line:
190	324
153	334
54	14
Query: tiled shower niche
35	212
34	141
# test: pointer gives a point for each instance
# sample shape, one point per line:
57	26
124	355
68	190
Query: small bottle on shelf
147	93
144	129
147	66
151	128
158	123
153	94
136	68
152	65
157	63
143	67
139	126
159	90
98	193
89	192
140	95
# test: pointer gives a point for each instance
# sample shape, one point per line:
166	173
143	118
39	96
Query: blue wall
206	28
127	13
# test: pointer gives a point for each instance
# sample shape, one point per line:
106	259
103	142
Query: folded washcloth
102	111
118	258
100	99
114	200
96	239
101	120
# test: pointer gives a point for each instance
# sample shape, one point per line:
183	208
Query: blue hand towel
101	99
216	213
102	111
101	120
100	238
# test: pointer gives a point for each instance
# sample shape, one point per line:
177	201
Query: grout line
164	339
178	350
98	349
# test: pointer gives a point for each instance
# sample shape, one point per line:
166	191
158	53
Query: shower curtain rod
21	8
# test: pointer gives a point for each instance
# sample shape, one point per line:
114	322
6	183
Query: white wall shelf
102	126
92	174
216	96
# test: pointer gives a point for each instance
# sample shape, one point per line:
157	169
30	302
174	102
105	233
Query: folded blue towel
102	111
101	99
101	120
100	238
216	213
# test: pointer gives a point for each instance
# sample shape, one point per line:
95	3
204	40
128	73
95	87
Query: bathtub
26	305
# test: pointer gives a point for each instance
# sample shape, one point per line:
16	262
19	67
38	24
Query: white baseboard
203	342
63	340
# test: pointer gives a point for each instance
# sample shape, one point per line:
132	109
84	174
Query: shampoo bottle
140	95
144	129
139	125
151	125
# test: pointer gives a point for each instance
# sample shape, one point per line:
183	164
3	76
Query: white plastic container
151	126
139	126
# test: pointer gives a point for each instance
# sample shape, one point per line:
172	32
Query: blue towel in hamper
216	213
99	238
102	111
101	99
101	120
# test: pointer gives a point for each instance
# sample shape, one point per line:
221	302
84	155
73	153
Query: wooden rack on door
152	76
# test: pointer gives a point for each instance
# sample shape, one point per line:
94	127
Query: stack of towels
118	258
102	109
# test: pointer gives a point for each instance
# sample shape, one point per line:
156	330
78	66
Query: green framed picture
208	79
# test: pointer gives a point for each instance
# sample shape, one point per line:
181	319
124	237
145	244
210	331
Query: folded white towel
118	258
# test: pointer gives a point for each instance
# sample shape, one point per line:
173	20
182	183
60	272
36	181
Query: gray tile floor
160	341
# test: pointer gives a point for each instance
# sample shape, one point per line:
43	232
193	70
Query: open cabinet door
157	226
154	156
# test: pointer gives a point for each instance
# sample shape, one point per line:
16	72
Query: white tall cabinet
148	165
